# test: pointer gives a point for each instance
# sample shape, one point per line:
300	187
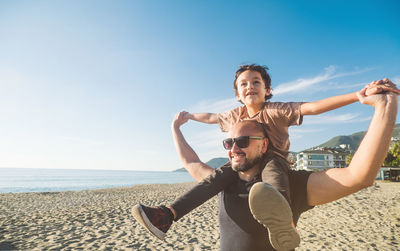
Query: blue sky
95	84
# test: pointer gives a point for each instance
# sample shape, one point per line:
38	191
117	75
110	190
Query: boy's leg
275	173
159	219
270	204
205	190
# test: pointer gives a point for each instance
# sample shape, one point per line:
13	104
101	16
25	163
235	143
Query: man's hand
180	119
377	99
381	86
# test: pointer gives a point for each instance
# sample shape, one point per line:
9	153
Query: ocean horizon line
19	180
87	169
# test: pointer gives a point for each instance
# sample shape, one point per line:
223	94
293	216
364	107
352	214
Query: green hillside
217	162
396	132
354	139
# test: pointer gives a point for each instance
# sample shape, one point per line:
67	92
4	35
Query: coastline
100	219
21	180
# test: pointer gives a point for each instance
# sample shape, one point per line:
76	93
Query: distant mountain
214	163
354	139
217	162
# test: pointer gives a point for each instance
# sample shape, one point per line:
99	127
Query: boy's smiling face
251	88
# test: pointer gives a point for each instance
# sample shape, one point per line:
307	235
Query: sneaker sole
141	217
271	209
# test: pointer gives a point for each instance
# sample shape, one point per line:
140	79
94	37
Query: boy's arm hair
335	183
192	163
324	105
208	118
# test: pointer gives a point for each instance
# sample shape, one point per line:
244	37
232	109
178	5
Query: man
239	231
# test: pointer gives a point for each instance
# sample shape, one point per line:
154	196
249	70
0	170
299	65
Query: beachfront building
389	173
321	158
394	139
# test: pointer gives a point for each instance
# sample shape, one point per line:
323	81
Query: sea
22	180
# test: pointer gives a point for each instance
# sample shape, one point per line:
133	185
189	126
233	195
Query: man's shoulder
299	173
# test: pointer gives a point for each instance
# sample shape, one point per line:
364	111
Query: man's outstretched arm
330	185
192	163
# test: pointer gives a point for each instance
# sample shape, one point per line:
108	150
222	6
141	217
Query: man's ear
265	145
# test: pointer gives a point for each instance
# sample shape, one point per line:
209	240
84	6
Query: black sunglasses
241	142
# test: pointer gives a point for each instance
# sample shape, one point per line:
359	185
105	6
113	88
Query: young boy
252	87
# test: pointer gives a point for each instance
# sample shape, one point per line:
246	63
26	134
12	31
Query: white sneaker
271	209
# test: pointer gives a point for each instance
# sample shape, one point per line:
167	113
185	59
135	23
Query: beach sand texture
101	220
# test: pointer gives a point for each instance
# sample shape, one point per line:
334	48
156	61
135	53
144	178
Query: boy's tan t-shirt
276	118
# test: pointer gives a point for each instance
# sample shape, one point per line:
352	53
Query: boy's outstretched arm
208	118
324	105
192	163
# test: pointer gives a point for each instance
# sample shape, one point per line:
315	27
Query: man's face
242	159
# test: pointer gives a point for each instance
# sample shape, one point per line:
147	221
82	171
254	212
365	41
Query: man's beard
247	165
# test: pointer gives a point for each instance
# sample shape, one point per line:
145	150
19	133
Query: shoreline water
100	219
19	180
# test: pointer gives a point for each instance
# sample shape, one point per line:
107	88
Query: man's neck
249	174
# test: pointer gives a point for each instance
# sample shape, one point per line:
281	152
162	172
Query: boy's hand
187	115
381	86
180	119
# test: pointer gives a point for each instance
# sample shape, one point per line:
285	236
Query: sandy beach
101	220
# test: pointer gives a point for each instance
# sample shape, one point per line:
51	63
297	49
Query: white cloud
208	142
298	84
351	86
331	119
216	106
295	136
303	84
300	130
297	133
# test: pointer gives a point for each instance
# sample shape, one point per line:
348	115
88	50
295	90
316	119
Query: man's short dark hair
263	70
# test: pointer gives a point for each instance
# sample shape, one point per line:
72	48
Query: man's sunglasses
241	142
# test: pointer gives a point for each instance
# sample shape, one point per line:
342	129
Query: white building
389	173
318	159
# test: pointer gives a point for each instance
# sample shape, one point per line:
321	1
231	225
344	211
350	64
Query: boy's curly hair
258	68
